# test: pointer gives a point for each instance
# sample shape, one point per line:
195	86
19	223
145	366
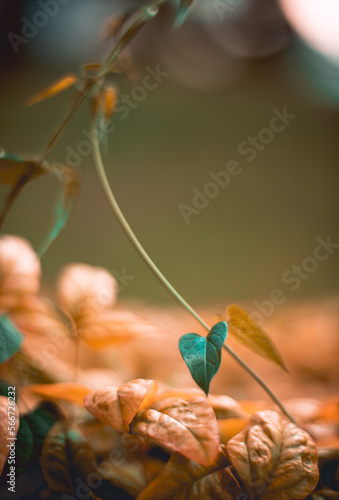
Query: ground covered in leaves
103	406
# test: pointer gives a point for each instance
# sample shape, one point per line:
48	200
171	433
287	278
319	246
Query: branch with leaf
181	422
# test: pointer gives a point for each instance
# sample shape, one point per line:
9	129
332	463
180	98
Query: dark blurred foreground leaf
202	355
10	339
67	461
32	431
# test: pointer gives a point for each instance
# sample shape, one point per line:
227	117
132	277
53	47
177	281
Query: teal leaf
202	355
10	339
182	12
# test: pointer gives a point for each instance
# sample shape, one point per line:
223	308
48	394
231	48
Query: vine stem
164	281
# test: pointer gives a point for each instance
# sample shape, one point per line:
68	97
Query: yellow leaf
54	89
274	459
117	406
185	425
66	391
246	331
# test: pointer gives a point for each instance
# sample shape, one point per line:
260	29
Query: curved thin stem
136	243
260	381
128	230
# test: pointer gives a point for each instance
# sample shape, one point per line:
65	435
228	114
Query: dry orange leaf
176	393
251	406
36	315
226	407
117	406
66	391
53	89
9	425
112	327
185	425
84	290
229	427
274	458
182	479
329	411
246	331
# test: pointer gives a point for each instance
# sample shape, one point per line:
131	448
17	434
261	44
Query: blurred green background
265	221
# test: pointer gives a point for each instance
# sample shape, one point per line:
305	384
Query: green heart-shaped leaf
202	355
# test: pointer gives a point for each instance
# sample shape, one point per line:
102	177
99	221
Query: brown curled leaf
117	406
186	425
274	458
